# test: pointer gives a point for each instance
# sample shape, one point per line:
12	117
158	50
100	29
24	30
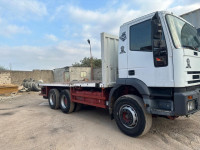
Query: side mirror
158	42
157	28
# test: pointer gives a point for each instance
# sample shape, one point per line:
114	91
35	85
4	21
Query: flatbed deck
96	83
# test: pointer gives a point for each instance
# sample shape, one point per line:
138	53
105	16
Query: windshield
183	34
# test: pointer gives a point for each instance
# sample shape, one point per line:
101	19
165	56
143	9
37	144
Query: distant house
67	74
194	18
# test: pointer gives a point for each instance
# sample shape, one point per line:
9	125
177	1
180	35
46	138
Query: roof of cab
140	18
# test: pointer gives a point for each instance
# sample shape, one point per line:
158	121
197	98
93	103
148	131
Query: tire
26	84
30	86
131	117
53	99
25	80
36	86
66	105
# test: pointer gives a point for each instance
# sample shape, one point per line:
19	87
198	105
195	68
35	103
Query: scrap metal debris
31	85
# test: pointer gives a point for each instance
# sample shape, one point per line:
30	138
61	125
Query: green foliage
85	62
2	68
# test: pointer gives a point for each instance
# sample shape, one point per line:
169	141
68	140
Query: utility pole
91	60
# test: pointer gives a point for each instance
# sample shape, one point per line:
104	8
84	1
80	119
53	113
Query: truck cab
159	54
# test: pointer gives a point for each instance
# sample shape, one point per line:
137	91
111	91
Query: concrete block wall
71	73
75	73
5	77
49	76
17	77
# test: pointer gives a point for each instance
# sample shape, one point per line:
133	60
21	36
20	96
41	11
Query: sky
49	34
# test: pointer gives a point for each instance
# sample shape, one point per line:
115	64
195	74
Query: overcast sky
48	34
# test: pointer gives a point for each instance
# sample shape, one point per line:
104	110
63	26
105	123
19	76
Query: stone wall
17	77
5	77
49	76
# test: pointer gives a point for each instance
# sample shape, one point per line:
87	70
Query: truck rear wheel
53	99
131	117
66	105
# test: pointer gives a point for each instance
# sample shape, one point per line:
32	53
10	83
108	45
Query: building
194	18
67	74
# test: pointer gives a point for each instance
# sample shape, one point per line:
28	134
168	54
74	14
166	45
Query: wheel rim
64	101
128	116
52	99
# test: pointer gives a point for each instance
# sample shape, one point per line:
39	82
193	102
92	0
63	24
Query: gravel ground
27	122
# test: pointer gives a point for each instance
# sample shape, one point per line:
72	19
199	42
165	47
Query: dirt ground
27	122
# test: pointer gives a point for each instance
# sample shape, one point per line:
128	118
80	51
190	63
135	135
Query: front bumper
175	103
181	102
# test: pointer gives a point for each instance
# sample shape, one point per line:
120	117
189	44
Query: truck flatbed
95	83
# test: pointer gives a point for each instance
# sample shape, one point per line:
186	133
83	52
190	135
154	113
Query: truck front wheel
131	117
66	105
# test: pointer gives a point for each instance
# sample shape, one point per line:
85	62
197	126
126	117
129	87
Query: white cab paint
142	62
122	55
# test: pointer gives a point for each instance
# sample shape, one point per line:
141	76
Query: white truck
153	68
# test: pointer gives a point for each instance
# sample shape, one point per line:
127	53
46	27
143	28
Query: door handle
195	53
131	72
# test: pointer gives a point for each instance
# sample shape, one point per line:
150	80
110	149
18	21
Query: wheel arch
134	86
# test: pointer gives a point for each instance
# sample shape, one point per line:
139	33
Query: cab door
141	55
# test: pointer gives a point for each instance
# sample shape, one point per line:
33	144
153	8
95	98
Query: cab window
140	36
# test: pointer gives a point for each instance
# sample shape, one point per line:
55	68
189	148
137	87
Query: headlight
191	105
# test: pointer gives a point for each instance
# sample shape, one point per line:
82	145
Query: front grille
195	75
193	72
195	81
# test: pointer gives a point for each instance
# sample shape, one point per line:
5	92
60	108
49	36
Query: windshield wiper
191	47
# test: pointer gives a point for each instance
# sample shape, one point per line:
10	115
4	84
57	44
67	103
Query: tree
85	62
2	68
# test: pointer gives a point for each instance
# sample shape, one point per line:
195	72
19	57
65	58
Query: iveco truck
151	69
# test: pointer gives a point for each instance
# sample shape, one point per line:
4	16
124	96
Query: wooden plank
7	89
